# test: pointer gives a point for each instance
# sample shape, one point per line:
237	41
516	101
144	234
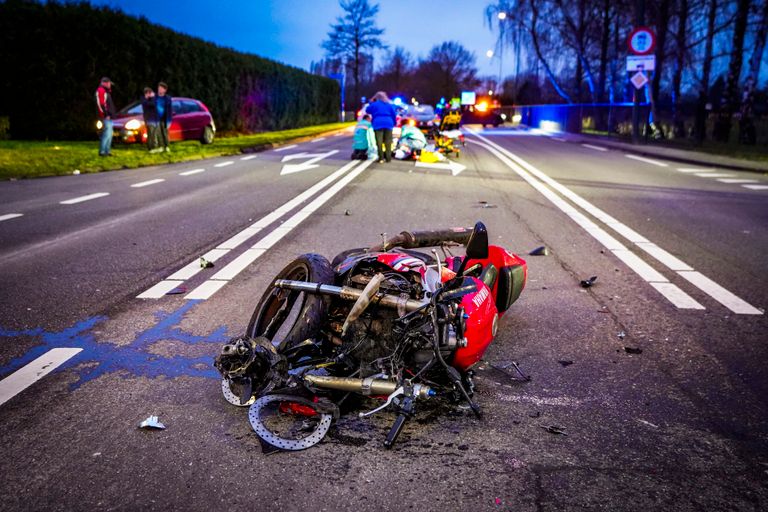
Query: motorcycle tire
287	317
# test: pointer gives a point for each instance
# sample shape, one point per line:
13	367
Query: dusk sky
291	31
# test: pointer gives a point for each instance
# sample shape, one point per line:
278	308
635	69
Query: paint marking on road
340	134
190	173
736	180
720	294
160	289
756	187
208	288
646	160
9	216
193	267
674	295
311	163
85	198
319	139
596	148
27	375
714	175
283	148
558	139
690	170
249	157
523	168
147	183
224	164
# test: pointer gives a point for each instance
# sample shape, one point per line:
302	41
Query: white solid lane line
224	164
217	281
9	216
733	303
85	198
24	377
249	157
689	169
193	267
283	148
147	183
190	173
736	180
646	160
671	292
756	187
596	148
714	175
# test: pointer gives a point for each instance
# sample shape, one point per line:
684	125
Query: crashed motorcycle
387	322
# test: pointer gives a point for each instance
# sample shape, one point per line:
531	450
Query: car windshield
131	110
421	111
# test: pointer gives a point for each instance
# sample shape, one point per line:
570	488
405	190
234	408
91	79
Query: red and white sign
642	41
639	80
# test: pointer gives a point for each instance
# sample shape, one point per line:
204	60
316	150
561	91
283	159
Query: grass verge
34	159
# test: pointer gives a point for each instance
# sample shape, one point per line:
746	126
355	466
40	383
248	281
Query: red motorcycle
386	322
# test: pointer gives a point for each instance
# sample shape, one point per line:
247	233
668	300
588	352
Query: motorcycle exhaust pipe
367	387
351	294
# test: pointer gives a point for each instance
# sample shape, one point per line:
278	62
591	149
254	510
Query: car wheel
207	137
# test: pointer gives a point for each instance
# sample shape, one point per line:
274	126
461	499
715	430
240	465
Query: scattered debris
534	414
621	335
463	447
647	423
347	213
554	429
565	362
178	290
152	422
487	205
633	350
586	283
540	251
204	263
96	454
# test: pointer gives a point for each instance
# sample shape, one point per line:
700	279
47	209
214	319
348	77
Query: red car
191	121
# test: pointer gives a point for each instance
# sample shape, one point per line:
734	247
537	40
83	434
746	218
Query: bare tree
723	130
759	44
396	70
353	34
450	67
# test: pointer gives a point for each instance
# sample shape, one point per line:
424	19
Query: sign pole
639	22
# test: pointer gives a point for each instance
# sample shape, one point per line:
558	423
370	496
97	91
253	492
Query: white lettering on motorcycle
478	299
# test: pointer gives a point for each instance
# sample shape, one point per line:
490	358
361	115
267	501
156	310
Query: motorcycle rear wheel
288	317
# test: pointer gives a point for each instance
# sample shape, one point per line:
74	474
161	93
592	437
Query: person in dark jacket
149	108
163	103
105	108
383	117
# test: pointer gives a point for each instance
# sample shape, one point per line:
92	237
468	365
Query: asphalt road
680	255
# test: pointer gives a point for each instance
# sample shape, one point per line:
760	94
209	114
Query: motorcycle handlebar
428	238
458	293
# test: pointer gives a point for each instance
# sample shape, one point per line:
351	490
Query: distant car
191	121
420	116
482	113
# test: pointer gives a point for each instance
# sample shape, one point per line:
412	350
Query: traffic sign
639	80
642	41
641	62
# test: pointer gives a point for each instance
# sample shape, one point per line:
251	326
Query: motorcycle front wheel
288	317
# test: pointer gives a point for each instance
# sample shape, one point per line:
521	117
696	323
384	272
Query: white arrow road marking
24	377
304	166
455	167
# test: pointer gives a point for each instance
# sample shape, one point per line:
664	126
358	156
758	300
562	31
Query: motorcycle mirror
477	245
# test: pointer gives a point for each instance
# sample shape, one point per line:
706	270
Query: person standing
106	111
383	117
163	104
149	109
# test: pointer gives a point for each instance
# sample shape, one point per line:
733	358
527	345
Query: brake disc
278	439
231	397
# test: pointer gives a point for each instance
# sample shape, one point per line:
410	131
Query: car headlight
133	124
99	125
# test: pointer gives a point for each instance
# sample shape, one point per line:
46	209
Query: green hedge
53	56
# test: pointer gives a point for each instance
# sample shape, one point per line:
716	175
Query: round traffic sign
642	41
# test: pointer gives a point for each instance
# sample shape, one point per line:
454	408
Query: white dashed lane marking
249	157
756	187
224	164
647	160
736	180
85	198
286	147
714	175
190	173
9	216
596	148
147	183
